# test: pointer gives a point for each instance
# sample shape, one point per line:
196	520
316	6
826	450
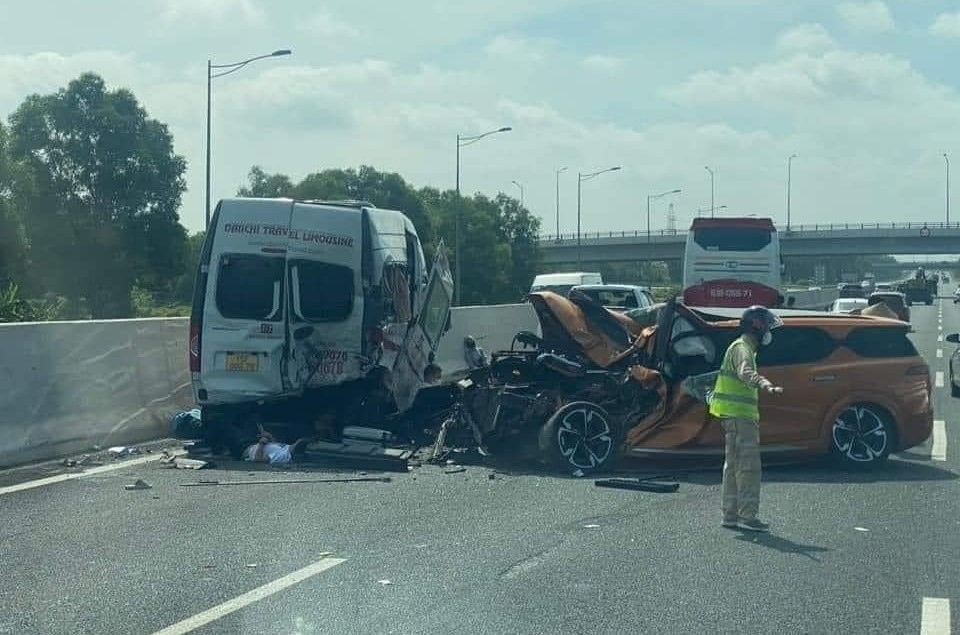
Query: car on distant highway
850	290
896	301
954	338
883	286
846	305
617	297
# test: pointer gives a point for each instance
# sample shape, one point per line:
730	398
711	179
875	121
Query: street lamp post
701	210
653	197
229	68
580	179
462	142
712	189
789	175
520	185
558	200
947	160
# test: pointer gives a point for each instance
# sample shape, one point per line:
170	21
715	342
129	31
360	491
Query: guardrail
817	227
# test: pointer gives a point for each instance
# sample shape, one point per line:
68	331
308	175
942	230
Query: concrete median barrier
70	385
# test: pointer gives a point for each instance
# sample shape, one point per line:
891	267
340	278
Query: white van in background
561	283
331	299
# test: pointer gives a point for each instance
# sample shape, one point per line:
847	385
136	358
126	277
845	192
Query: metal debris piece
384	582
455	470
860	529
367	479
139	484
190	464
252	565
591	526
643	485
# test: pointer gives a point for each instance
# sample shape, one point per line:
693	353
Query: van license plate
243	362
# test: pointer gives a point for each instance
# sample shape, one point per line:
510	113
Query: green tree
13	239
101	186
263	185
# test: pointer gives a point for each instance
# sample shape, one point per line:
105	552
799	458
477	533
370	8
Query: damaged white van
306	309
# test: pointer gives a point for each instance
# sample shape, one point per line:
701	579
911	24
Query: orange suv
854	386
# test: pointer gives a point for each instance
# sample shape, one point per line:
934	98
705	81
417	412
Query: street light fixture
947	159
580	179
563	169
701	210
462	142
713	189
653	197
520	185
228	68
789	175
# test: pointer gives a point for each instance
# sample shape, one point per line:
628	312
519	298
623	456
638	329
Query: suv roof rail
344	203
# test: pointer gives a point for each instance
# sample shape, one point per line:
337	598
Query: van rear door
242	325
423	336
324	281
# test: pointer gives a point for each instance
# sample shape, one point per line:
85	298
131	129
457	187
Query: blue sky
865	93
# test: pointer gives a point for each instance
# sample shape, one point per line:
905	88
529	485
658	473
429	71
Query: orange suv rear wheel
862	434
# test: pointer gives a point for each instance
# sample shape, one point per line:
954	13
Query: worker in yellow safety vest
735	402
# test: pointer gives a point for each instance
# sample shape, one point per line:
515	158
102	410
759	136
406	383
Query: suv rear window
612	298
249	287
881	341
796	345
323	291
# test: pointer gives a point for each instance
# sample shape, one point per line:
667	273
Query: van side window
322	292
249	287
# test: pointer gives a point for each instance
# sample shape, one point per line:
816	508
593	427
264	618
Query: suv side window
881	341
796	345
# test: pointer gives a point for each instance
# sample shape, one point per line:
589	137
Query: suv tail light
194	347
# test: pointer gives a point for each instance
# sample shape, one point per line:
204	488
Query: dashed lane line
939	379
939	352
940	338
248	598
935	616
938	449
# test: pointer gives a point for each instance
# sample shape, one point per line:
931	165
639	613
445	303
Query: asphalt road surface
432	552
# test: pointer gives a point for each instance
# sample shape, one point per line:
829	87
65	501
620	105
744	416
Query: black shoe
753	525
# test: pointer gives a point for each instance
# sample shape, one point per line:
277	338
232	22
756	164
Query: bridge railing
817	227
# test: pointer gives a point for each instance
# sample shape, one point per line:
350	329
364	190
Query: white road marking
939	379
248	598
939	338
938	451
939	352
100	469
935	616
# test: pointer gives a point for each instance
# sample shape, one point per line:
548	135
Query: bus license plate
243	362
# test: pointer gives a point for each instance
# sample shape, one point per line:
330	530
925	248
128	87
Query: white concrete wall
69	385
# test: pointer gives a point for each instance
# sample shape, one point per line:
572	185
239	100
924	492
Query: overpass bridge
861	239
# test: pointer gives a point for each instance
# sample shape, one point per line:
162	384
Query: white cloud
215	11
873	16
603	63
518	49
808	38
946	25
324	25
21	75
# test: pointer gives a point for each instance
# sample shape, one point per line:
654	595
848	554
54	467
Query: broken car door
424	333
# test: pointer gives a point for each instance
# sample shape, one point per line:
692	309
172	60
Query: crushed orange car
595	385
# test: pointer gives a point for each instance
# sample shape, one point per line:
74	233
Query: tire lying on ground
862	435
581	436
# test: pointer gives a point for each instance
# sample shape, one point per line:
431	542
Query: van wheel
581	436
862	435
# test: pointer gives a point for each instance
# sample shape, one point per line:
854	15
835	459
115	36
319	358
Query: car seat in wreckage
423	333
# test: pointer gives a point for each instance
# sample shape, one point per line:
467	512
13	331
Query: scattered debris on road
138	484
860	529
359	479
384	582
455	470
118	451
190	464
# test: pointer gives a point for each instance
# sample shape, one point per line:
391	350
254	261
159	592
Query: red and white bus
732	262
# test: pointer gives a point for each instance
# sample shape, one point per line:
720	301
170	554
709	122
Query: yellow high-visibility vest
731	396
